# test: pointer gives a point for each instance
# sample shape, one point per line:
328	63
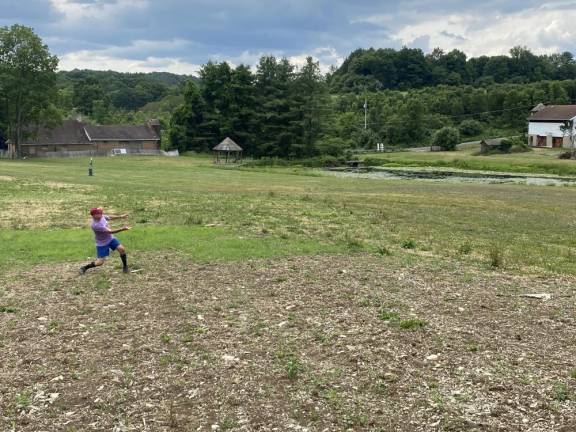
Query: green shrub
371	161
519	144
323	162
470	127
446	138
505	146
332	146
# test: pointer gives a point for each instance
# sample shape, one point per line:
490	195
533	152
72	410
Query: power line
462	115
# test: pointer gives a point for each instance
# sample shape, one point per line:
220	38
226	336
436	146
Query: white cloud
326	56
545	29
98	60
101	10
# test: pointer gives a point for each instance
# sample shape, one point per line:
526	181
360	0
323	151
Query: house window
556	142
541	141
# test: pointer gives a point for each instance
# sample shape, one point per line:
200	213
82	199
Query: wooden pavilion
229	148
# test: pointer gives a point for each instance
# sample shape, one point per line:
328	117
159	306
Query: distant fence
154	152
89	153
72	153
5	154
380	149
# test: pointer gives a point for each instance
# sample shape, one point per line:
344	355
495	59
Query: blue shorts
104	251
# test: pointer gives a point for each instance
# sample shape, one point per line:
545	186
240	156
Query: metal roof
492	142
75	132
120	133
554	113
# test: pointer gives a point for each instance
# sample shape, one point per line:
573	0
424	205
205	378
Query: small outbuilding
492	145
228	152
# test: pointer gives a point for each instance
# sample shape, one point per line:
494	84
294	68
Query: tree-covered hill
285	111
377	69
89	90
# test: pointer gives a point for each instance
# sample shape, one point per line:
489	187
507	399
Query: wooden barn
73	136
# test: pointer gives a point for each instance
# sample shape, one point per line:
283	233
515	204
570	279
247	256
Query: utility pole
365	113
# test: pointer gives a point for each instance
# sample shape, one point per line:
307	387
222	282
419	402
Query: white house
544	125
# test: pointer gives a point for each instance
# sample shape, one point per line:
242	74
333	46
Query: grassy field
190	206
538	161
284	299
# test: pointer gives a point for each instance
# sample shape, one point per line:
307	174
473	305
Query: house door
541	141
556	142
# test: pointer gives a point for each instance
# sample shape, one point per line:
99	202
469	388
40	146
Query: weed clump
383	251
353	243
387	315
561	393
409	244
293	367
412	324
193	220
496	256
465	248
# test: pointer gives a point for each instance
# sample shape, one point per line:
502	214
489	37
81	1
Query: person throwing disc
105	241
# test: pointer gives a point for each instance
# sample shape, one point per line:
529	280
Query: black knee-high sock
124	260
89	266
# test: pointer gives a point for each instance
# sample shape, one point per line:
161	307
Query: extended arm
117	230
112	217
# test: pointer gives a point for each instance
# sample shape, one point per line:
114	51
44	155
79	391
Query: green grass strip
200	243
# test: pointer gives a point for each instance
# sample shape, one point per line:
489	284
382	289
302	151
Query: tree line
276	111
408	68
106	96
281	110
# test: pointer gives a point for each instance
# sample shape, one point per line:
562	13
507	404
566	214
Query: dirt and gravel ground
330	343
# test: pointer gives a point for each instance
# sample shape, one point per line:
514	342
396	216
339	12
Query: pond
451	175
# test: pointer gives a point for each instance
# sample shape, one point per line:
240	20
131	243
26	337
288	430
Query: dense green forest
408	68
396	97
115	97
283	111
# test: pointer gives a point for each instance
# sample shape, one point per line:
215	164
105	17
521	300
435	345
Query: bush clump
326	161
372	161
565	155
267	162
446	138
470	127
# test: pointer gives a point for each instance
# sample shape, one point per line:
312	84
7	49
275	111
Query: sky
180	36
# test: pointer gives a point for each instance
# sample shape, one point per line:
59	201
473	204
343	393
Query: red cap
96	210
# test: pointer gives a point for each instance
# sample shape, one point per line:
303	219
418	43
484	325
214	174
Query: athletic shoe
125	270
82	270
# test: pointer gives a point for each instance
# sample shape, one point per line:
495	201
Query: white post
365	113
